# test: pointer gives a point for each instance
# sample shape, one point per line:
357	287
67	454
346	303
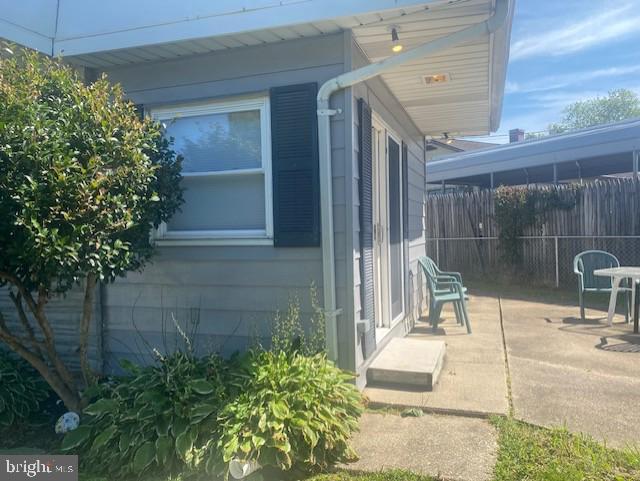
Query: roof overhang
589	152
470	100
104	35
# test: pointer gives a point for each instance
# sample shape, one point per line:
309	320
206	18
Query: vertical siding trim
405	231
349	358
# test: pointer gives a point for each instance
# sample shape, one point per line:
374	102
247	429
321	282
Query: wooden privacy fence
462	233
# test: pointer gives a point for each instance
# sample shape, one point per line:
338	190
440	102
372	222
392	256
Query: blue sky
567	50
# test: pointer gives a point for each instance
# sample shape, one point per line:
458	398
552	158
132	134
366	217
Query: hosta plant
295	413
22	391
154	419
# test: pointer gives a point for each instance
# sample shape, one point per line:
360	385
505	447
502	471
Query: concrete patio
446	447
473	379
562	371
584	375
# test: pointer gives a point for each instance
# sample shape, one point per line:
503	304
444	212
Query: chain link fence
546	260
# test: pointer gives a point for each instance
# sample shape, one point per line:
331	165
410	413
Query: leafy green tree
82	182
618	105
534	135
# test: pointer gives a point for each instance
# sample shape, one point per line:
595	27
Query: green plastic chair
444	287
583	266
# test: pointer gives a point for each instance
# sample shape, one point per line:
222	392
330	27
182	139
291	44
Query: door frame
382	301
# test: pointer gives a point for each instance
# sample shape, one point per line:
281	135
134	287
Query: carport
590	153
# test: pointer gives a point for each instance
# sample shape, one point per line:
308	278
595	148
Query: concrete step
409	362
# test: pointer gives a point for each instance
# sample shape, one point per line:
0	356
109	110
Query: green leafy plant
154	419
296	413
82	182
519	208
22	391
617	105
289	333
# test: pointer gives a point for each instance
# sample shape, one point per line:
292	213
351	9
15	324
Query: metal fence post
555	238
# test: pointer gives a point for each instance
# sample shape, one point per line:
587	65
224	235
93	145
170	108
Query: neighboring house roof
102	35
460	145
466	145
601	150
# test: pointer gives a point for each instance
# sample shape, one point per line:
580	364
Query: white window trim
165	237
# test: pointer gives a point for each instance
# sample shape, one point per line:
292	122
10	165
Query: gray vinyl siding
228	295
383	103
231	293
64	313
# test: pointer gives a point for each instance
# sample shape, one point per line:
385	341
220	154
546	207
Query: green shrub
295	413
289	334
82	181
22	391
153	419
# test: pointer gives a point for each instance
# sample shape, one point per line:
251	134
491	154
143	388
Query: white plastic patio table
617	274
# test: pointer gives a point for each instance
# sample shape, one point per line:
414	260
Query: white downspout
349	79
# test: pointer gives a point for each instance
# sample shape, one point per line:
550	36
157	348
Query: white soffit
159	51
86	27
466	102
97	35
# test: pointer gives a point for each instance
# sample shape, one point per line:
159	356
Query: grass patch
515	289
394	475
538	454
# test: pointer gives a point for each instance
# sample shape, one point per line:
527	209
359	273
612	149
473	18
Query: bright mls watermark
20	467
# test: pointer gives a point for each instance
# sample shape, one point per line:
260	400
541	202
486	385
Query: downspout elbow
326	90
499	16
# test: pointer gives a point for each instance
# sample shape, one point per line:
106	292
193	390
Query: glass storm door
387	226
395	229
380	239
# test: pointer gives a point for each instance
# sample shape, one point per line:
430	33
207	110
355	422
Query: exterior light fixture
396	46
436	79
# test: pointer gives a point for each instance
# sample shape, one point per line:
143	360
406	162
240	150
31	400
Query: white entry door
387	226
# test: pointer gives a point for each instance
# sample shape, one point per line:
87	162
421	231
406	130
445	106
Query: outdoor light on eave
396	46
436	79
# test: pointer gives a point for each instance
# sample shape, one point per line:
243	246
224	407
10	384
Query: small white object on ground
67	422
240	469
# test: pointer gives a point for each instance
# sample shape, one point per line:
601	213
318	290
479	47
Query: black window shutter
366	226
405	229
296	182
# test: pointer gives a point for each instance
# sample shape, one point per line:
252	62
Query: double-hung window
226	172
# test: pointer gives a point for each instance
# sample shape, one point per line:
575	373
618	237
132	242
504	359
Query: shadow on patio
562	371
473	379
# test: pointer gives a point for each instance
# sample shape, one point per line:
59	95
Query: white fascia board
31	23
86	27
25	37
500	42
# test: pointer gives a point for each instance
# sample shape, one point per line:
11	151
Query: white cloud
554	82
600	27
543	108
561	99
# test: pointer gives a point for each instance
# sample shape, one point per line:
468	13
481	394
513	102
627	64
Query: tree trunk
69	397
50	347
85	322
41	352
